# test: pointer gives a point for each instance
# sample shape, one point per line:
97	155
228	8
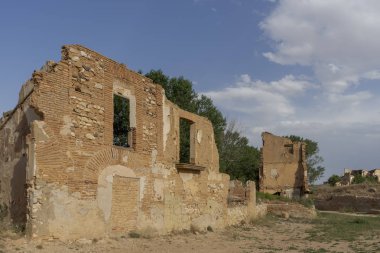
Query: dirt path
351	214
268	235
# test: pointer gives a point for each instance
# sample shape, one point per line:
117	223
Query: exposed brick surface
283	166
125	196
61	137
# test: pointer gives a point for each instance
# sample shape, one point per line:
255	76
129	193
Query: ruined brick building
350	174
283	166
64	173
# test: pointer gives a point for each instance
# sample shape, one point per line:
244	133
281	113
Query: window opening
185	144
121	122
289	148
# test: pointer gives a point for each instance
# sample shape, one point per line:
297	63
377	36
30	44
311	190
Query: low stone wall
261	210
292	210
349	203
238	193
237	214
242	205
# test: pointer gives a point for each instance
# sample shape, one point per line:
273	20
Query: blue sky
304	67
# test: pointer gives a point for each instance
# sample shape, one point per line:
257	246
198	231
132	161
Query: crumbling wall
240	193
291	210
16	157
13	162
283	168
350	174
82	184
242	203
376	173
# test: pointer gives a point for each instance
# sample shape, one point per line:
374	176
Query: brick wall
79	177
283	166
15	162
125	196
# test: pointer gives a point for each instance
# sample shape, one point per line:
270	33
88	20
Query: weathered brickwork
125	197
283	166
59	166
242	202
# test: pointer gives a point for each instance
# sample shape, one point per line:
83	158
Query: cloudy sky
303	67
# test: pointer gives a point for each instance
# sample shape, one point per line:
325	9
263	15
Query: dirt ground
270	234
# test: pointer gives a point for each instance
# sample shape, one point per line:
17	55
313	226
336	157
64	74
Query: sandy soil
267	235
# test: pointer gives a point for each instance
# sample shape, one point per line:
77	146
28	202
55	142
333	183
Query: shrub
372	179
333	180
358	179
261	196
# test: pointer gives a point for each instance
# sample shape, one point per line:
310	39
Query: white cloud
372	75
353	99
293	105
339	39
270	100
288	85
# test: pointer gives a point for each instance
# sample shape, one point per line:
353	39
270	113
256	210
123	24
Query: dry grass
362	232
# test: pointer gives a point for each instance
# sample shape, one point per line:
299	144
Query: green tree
333	180
206	108
314	160
237	158
121	121
158	77
177	89
180	91
358	179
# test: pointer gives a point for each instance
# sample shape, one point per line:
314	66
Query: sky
304	67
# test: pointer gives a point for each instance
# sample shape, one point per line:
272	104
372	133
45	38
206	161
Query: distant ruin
283	166
349	175
68	171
